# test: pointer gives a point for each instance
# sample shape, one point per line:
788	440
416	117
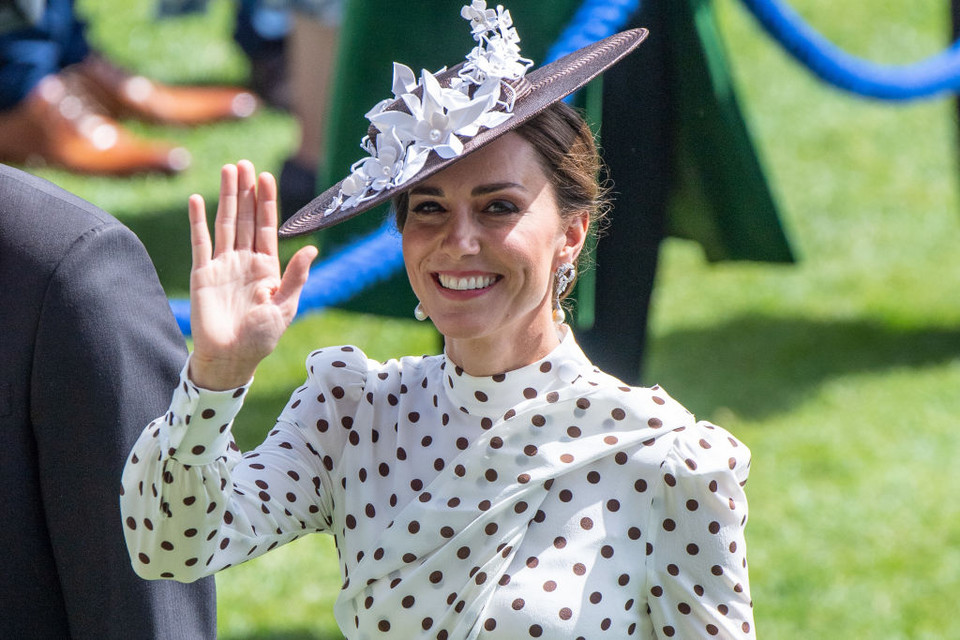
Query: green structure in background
678	149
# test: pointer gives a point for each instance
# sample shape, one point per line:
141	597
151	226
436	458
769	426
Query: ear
574	236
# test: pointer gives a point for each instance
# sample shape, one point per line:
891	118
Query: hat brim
547	85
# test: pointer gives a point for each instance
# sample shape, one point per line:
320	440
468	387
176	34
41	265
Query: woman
505	489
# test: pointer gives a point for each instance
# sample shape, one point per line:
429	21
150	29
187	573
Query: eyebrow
483	189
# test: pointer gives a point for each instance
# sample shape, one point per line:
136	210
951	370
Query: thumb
294	277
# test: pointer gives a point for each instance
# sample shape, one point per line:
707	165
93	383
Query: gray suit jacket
89	354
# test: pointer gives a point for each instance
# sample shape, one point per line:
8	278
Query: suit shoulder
42	218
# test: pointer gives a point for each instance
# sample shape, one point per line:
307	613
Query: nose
461	235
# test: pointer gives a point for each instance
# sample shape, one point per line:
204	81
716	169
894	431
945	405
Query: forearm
191	505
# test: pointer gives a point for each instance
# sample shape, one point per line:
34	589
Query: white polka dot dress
547	502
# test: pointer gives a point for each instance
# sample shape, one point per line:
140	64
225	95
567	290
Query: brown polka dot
656	591
567	458
669	525
583	403
574	432
586	523
673	570
549	586
712	630
596	597
693	549
538	420
489	624
618	414
613	505
606	551
566	613
446	532
480	395
496	442
384	625
669	631
436	577
579	569
530	450
517	604
684	608
535	631
529	393
552	397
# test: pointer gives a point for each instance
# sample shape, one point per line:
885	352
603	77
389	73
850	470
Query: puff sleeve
697	574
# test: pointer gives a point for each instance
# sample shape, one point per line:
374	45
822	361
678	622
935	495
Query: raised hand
239	303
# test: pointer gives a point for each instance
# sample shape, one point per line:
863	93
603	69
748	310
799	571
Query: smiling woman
504	489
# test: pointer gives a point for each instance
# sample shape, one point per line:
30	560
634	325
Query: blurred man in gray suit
89	352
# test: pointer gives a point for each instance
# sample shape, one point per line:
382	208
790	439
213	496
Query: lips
466	283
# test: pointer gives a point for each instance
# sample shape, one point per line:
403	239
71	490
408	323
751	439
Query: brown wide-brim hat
535	92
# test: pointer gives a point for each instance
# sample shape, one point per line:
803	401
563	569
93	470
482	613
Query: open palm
240	303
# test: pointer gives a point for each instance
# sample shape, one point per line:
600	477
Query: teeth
464	284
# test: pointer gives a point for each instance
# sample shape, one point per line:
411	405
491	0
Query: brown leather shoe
57	125
125	95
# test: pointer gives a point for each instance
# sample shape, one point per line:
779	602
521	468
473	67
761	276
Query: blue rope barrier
377	256
935	75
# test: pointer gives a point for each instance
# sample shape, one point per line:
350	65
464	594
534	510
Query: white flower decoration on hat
440	116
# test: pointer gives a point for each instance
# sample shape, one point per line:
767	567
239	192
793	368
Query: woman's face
482	240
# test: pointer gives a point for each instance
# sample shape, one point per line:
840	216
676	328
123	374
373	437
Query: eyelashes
498	206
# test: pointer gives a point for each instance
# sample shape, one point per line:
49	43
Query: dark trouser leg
29	54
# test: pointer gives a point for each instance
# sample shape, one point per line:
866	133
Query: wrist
215	374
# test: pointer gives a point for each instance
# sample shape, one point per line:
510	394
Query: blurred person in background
60	100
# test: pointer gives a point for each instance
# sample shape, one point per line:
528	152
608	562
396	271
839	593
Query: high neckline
491	396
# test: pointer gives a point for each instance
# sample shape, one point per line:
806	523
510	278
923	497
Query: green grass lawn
841	372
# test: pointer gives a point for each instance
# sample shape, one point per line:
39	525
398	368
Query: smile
467	283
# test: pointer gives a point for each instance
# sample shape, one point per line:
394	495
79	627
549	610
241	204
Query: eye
501	206
427	206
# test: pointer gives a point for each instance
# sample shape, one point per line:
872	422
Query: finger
266	232
294	277
199	233
246	204
225	227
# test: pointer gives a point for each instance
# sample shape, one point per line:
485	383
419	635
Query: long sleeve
697	576
106	353
193	505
